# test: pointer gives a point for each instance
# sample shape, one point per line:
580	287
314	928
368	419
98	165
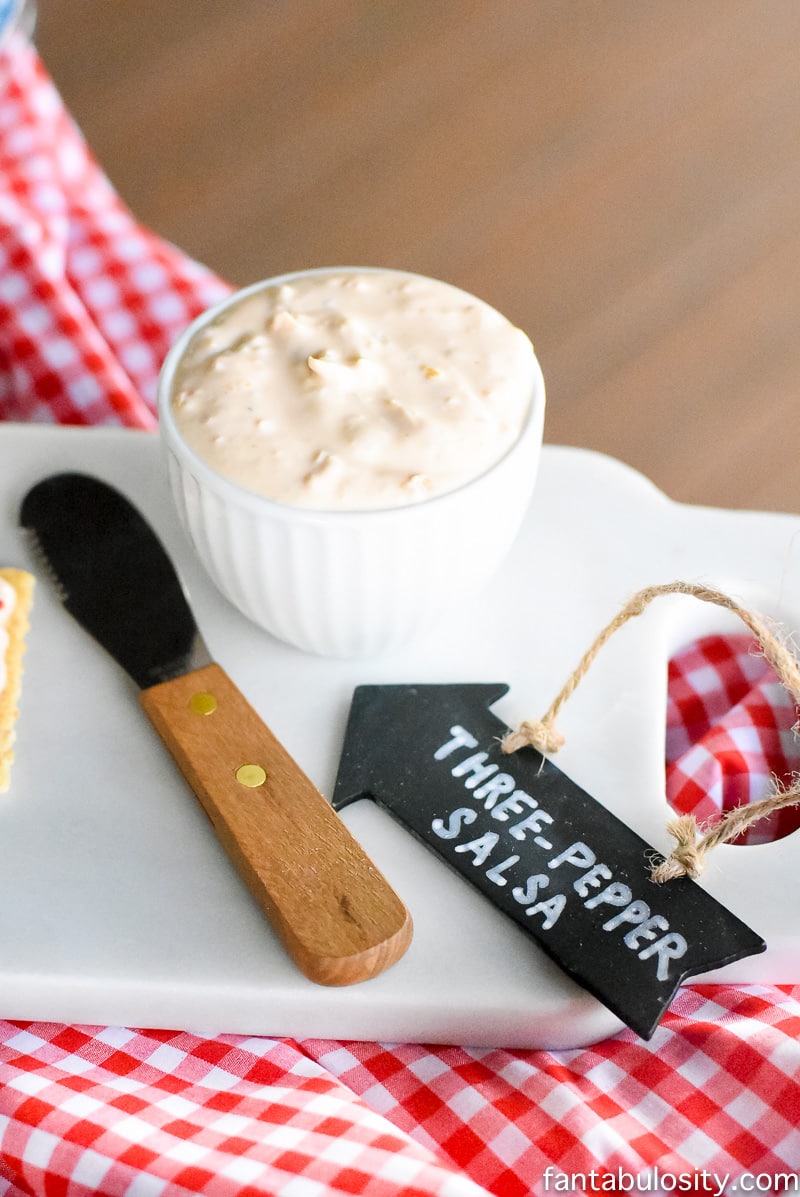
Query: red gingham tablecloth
89	302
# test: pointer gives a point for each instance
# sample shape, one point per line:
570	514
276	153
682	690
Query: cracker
17	627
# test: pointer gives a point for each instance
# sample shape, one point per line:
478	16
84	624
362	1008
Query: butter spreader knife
335	913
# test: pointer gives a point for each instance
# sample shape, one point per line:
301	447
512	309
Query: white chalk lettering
531	890
577	854
488	784
501	783
461	739
476	765
636	912
452	830
495	874
532	823
551	909
481	847
646	930
593	878
670	947
515	805
645	934
615	894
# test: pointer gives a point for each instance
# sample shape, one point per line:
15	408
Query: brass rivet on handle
202	703
251	776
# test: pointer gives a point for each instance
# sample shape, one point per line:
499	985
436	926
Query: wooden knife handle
335	913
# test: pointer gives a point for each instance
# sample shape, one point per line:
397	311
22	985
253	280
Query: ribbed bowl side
351	584
340	583
324	589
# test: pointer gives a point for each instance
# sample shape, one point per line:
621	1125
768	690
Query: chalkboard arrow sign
566	870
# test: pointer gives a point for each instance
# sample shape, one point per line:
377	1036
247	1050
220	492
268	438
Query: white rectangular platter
117	905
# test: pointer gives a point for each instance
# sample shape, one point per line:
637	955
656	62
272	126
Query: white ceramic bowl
346	583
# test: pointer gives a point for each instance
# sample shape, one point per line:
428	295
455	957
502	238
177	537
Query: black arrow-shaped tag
547	854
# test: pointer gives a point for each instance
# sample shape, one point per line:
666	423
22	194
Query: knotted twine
692	841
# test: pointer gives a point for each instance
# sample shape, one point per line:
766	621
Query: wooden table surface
621	178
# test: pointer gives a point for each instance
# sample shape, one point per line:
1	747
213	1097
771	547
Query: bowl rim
532	428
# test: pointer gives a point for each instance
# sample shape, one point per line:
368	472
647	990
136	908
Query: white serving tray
117	905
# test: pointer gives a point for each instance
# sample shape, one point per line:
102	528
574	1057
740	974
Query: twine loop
692	843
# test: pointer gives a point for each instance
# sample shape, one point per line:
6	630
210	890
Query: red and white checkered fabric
89	302
113	1111
730	734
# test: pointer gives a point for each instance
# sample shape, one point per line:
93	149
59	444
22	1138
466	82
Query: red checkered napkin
110	1111
113	1111
730	734
89	302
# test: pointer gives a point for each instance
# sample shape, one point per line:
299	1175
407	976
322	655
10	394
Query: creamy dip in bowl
336	440
354	390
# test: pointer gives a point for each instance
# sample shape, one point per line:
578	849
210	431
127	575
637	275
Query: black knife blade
114	576
335	913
